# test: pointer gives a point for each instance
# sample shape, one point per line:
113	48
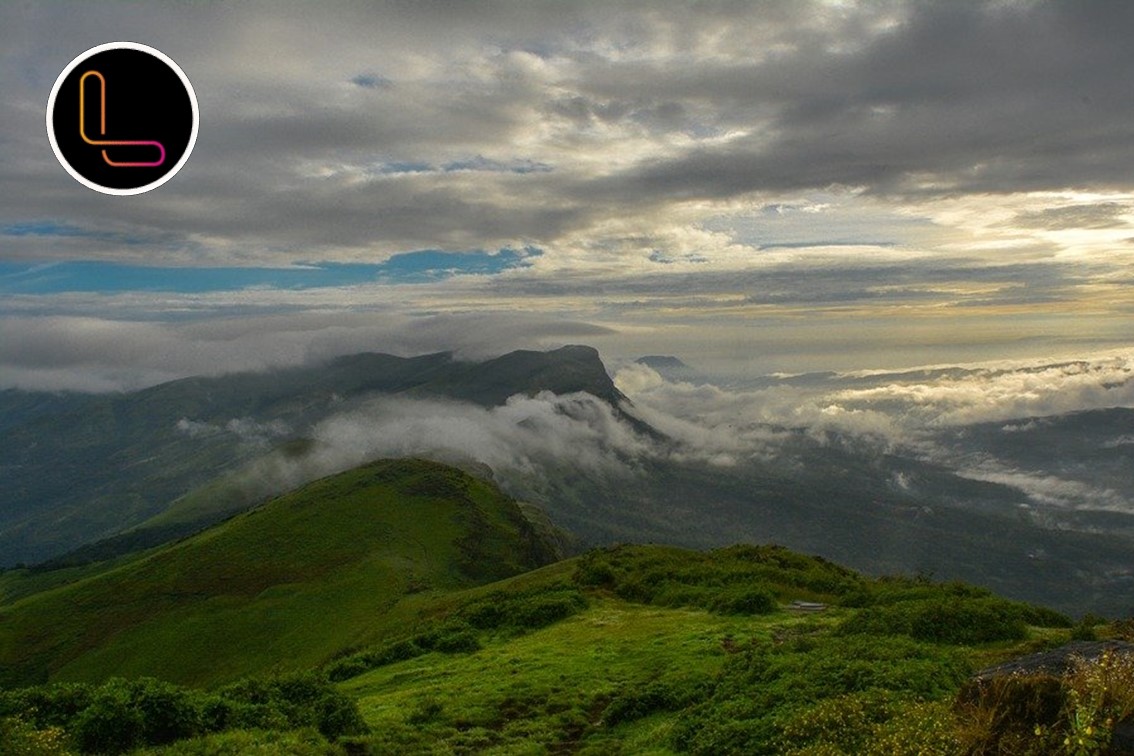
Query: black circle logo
122	118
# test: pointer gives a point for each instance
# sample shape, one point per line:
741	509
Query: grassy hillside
636	649
673	651
281	587
401	608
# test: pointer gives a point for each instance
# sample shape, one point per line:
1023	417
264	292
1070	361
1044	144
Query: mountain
96	478
850	505
280	587
79	468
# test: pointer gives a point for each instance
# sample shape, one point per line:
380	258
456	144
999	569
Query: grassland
393	609
330	565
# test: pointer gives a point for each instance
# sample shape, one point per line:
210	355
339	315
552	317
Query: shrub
950	621
110	723
168	712
293	702
594	572
1007	714
745	601
540	611
47	705
522	611
669	694
844	722
916	729
1072	713
364	661
763	690
452	638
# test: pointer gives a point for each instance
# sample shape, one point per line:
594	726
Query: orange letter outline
102	128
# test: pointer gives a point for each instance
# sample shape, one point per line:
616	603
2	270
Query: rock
1030	688
1056	662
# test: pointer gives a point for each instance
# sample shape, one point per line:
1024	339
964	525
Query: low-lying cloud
922	414
247	429
525	436
100	354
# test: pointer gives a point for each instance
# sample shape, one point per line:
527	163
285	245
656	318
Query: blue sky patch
107	277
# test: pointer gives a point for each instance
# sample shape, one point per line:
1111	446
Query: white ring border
51	111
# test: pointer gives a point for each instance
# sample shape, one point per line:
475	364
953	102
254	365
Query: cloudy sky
755	187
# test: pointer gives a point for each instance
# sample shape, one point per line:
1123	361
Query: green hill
409	607
281	587
633	649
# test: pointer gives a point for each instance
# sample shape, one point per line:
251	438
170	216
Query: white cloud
95	353
997	394
521	438
1047	489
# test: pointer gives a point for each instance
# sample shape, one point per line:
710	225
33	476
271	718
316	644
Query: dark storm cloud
956	97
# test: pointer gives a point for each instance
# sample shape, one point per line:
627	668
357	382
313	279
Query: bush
452	638
593	572
122	715
916	729
357	664
949	621
293	702
168	712
47	705
1010	713
763	691
745	601
671	694
110	724
844	722
522	611
1040	712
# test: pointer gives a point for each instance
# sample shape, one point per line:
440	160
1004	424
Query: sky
755	187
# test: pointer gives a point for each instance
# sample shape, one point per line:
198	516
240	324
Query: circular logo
122	118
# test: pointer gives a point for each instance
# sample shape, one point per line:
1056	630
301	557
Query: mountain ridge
83	467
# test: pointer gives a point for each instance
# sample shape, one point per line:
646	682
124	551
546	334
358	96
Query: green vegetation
632	649
661	660
119	715
80	468
394	609
333	564
1046	712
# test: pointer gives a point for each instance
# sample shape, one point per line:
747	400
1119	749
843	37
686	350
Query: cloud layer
765	186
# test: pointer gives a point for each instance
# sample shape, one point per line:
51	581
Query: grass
632	650
406	586
644	669
281	587
547	688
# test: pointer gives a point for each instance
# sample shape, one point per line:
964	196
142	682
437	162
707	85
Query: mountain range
82	467
96	477
262	590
